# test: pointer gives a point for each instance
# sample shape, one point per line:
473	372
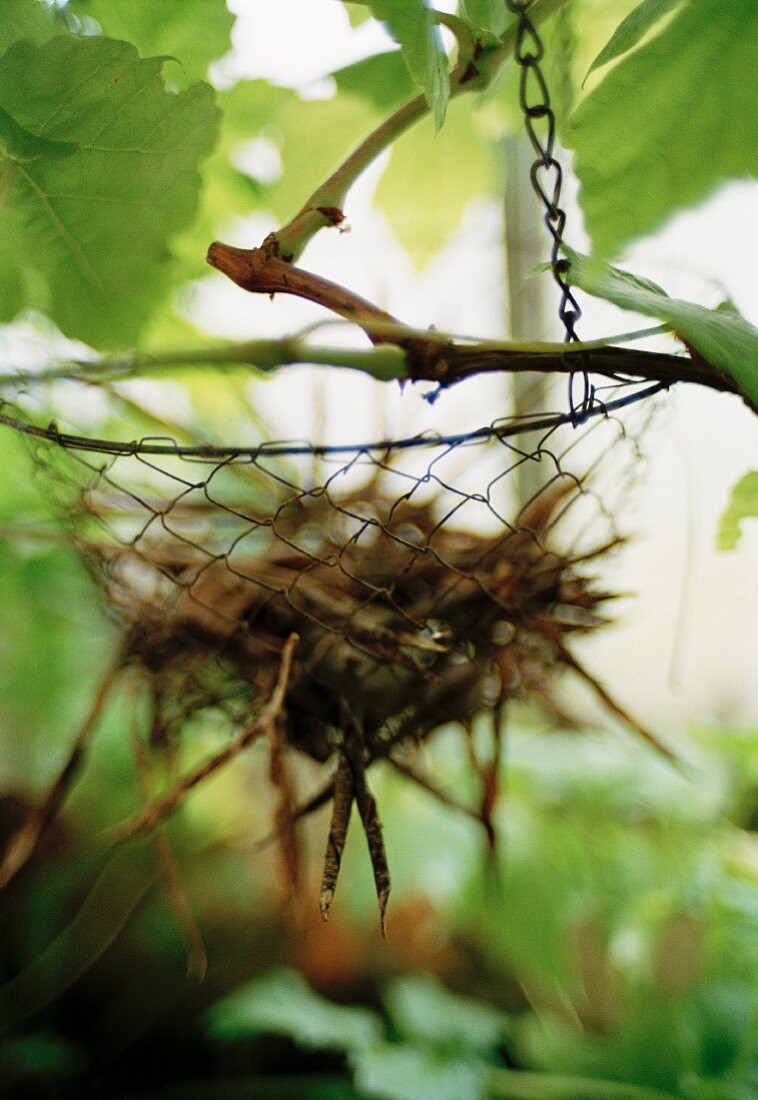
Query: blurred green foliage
610	947
743	505
615	949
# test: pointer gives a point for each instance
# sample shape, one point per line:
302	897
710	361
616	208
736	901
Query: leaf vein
125	106
72	94
76	250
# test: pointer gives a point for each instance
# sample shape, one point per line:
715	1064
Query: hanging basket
342	601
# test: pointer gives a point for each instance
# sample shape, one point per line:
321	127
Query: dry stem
168	869
146	820
23	843
434	357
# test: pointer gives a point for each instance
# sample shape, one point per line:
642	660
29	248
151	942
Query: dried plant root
571	662
427	784
284	819
489	774
344	789
146	820
372	826
23	843
168	869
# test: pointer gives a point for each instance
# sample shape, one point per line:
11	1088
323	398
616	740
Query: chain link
546	176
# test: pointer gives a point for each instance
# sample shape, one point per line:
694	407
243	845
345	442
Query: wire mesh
376	591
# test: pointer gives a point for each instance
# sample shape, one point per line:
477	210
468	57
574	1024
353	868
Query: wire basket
341	601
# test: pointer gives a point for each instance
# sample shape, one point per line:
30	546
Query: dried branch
571	662
434	357
168	869
427	784
24	842
146	820
343	787
372	826
281	781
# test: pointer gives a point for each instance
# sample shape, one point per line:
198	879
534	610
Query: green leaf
425	1012
629	32
404	1072
668	123
382	80
20	145
485	15
411	23
26	19
511	1084
454	166
721	336
86	222
743	504
357	13
195	32
283	1003
37	1058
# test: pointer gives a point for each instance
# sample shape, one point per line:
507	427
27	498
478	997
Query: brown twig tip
325	903
230	260
383	898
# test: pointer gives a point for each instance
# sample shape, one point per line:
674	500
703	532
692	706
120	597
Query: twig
372	826
432	356
281	781
324	207
428	785
168	869
571	662
146	820
24	842
343	788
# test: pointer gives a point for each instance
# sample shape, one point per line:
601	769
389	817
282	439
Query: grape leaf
411	23
721	336
382	80
195	32
668	123
454	166
486	15
26	19
629	32
20	145
88	214
743	504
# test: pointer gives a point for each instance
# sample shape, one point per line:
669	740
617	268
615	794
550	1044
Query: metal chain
546	176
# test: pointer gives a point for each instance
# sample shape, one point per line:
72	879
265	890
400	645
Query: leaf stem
324	207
